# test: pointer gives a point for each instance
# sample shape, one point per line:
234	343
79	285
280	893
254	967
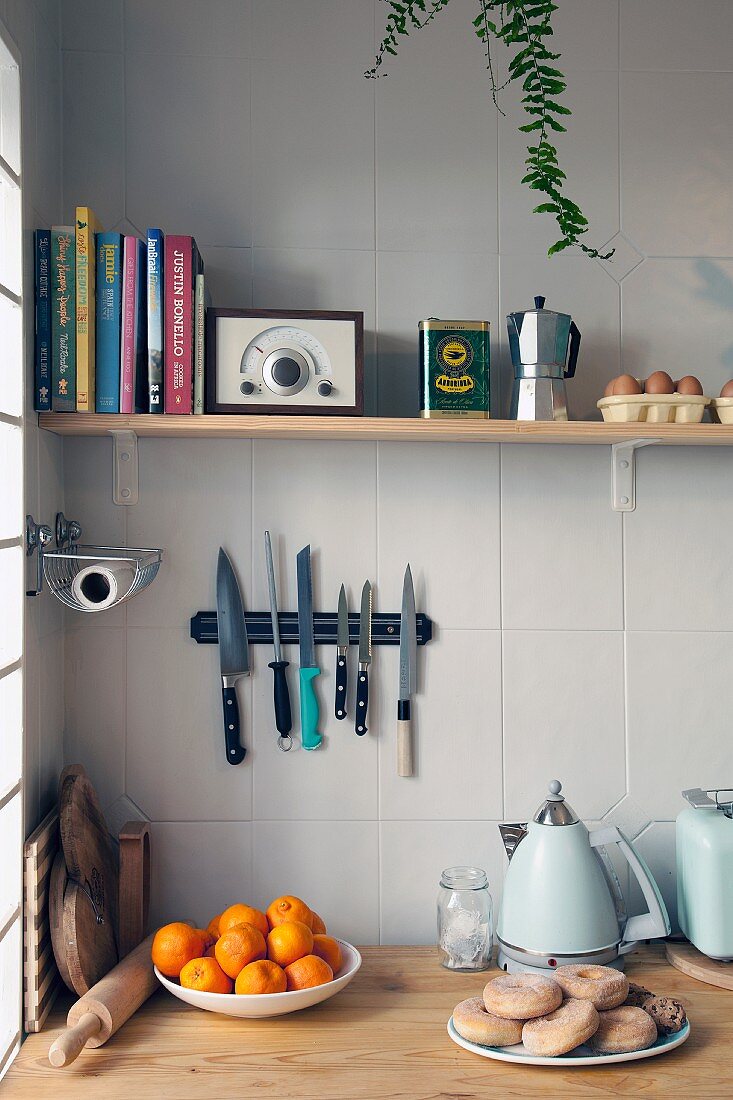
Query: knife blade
233	652
408	676
342	646
309	736
365	659
281	696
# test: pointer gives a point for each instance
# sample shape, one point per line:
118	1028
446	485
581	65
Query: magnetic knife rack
385	628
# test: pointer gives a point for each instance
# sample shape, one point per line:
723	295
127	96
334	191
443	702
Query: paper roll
97	587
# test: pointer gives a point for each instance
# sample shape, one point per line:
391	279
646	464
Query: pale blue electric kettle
562	902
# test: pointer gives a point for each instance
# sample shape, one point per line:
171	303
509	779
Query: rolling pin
98	1014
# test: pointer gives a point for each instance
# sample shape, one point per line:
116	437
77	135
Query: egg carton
721	410
655	408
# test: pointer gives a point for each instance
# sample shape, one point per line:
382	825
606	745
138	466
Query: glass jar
465	919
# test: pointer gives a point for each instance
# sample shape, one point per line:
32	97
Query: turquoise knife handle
310	738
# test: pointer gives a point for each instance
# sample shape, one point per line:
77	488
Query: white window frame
11	726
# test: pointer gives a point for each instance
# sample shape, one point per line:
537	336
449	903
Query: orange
213	926
287	908
309	971
289	941
205	975
319	928
174	945
240	945
208	937
210	952
326	947
261	977
243	914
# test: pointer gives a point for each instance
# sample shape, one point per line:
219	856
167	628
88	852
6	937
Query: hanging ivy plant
524	26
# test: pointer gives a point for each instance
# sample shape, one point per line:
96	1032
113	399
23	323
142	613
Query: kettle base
517	966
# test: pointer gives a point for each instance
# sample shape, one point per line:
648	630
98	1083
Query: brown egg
609	390
626	385
727	390
689	385
659	382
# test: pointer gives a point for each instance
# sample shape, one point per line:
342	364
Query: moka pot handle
574	349
645	926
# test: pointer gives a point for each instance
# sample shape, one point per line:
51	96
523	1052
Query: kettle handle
655	922
574	349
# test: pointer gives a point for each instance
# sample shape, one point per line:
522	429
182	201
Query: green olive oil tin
454	369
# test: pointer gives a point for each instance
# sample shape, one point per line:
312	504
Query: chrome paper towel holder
85	577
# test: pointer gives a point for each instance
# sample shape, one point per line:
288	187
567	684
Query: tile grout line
379	739
501	627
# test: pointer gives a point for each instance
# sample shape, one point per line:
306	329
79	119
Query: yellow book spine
86	228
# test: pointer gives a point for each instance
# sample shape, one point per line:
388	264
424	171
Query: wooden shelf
372	427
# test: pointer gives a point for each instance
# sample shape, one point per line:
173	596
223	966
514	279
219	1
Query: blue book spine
42	377
109	321
142	401
155	320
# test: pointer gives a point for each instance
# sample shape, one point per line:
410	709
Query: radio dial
324	388
247	388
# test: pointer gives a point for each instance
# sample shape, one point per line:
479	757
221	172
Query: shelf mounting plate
623	472
125	484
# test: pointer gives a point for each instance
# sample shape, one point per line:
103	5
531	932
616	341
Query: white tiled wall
35	28
569	640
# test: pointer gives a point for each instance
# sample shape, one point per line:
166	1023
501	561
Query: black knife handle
236	751
283	717
362	701
342	677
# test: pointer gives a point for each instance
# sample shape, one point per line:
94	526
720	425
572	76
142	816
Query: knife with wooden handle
408	678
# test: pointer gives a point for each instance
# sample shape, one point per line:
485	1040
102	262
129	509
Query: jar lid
464	878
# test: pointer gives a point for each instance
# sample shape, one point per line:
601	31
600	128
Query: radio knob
247	388
324	388
286	371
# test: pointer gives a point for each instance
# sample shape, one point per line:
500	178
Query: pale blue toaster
705	871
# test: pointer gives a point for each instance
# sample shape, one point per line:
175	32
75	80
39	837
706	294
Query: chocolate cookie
637	995
668	1015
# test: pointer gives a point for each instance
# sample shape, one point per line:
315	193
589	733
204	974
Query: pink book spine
129	323
178	342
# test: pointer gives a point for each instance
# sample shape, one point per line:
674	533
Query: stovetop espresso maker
544	348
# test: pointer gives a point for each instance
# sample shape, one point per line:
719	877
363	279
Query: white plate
254	1006
581	1056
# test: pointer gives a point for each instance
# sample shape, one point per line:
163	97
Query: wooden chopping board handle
107	1006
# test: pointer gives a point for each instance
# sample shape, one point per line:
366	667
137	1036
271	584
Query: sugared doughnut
623	1029
562	1030
522	996
668	1015
603	986
472	1020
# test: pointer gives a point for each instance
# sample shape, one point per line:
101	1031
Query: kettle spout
512	835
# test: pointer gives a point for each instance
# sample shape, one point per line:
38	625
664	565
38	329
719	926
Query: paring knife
283	716
233	652
408	676
342	646
365	659
309	736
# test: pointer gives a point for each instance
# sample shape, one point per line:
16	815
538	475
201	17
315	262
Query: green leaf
531	126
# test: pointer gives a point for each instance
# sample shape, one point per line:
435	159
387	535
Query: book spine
42	378
63	319
129	324
155	320
198	372
142	400
178	336
86	224
109	320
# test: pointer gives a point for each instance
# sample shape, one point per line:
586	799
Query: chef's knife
283	716
342	645
365	659
309	736
408	676
233	653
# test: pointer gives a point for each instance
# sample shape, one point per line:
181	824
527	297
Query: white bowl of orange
254	963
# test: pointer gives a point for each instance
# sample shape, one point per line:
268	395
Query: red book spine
178	342
129	325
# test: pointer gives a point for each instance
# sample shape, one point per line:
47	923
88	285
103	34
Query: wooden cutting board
691	961
84	890
41	979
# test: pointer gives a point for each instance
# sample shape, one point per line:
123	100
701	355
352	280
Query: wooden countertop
383	1038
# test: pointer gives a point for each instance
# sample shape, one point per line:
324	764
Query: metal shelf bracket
623	472
125	484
